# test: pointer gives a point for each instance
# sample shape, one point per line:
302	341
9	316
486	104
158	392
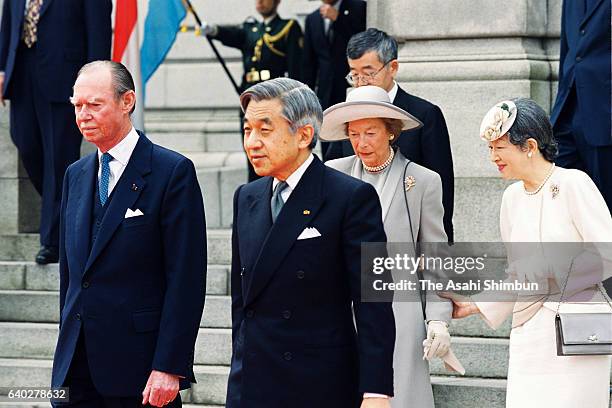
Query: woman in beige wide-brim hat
542	215
411	200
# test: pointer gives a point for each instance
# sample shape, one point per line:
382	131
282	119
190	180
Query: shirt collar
337	4
269	19
393	92
122	151
294	178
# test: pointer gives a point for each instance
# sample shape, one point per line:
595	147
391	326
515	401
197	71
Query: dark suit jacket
138	294
430	147
325	66
584	63
70	34
294	341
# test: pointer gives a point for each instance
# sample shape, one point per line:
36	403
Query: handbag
584	334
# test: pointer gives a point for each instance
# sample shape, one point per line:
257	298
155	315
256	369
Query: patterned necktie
277	201
31	21
104	177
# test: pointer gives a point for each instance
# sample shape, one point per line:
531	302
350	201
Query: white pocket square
129	213
308	233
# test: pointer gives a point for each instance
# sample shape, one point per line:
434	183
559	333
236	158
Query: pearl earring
529	154
390	137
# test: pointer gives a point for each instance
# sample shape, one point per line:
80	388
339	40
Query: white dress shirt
121	153
293	180
393	92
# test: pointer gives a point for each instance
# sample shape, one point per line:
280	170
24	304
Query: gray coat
411	373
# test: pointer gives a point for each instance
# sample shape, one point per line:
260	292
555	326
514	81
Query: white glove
209	30
438	340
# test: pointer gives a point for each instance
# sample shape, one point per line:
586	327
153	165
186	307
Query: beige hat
498	120
362	103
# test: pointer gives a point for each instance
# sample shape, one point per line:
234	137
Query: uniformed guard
270	48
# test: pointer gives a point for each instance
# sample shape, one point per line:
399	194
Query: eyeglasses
354	79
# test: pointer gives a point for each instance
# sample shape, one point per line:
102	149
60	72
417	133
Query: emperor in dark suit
296	275
372	57
43	43
581	114
326	34
132	257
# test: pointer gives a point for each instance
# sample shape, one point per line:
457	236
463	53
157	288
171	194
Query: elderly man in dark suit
132	257
43	43
581	114
372	57
296	274
326	34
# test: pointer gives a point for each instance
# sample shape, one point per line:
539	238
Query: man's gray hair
121	79
372	39
301	106
532	122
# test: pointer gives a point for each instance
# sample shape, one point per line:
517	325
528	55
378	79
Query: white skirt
538	378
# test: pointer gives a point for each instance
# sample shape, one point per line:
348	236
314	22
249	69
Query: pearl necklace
537	190
381	167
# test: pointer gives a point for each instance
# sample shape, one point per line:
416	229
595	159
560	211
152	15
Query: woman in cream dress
371	123
548	205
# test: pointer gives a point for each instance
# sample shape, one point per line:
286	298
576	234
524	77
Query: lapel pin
306	212
134	187
409	182
554	190
346	12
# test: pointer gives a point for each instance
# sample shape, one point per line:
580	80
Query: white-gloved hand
438	340
209	29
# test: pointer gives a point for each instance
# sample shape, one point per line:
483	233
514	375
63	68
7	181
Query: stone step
474	326
19	275
37	341
43	307
23	247
212	383
213	347
214	136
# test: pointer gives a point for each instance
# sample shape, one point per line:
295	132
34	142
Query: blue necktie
277	201
104	177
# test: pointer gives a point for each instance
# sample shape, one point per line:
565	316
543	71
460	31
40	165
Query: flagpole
190	9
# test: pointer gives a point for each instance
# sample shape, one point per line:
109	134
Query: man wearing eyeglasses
326	34
372	58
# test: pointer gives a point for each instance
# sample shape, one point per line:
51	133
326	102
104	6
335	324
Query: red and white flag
126	49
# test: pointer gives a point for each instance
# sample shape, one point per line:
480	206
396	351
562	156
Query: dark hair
301	106
532	123
372	39
121	79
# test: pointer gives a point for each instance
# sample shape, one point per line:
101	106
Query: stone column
464	56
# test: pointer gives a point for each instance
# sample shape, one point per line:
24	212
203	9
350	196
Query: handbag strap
599	286
422	292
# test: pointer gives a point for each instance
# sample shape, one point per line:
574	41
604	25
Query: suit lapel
256	229
591	7
301	207
83	199
393	179
125	194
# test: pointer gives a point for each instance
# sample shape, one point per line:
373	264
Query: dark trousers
46	136
83	393
576	153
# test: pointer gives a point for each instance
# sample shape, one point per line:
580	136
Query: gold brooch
554	190
306	212
409	182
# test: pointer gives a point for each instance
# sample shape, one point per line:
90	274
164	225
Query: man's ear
305	135
128	100
394	66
